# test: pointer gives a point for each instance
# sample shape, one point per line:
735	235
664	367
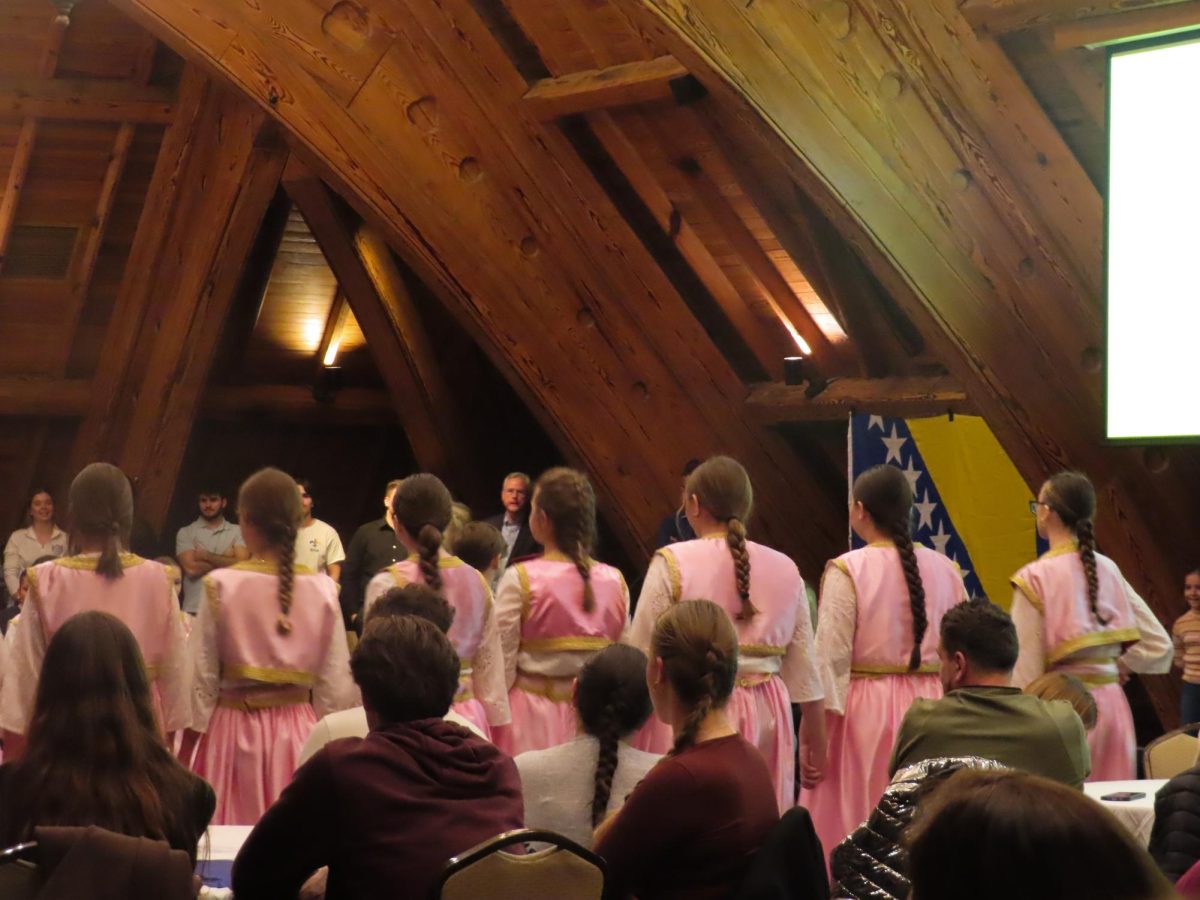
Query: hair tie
283	624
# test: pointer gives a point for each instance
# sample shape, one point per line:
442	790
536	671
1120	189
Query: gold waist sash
264	700
866	671
559	690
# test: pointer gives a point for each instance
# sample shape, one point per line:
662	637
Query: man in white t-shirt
318	546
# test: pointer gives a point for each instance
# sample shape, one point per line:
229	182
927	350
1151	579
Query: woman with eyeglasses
1075	613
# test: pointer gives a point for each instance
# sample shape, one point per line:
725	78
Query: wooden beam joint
626	84
905	397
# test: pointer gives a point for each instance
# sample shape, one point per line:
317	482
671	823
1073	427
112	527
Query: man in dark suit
513	523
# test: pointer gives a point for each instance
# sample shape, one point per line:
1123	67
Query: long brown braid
423	505
886	495
101	509
699	649
613	701
723	490
567	499
1072	497
269	500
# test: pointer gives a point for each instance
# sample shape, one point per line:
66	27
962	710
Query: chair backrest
20	878
1174	752
488	872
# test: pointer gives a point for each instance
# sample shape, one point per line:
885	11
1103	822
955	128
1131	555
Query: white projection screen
1152	363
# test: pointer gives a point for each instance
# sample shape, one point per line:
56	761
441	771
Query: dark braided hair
567	499
699	650
1071	496
613	701
423	505
101	508
723	490
270	501
886	495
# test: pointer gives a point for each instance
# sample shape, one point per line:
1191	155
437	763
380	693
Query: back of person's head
406	668
478	544
1072	496
613	701
101	510
460	515
566	498
1067	688
423	506
722	487
886	495
992	835
95	755
270	504
414	600
698	646
983	633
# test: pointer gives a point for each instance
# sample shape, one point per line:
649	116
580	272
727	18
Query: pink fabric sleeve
508	621
488	676
654	600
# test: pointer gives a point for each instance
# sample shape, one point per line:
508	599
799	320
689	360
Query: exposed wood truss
84	100
626	84
996	17
1148	22
909	397
15	183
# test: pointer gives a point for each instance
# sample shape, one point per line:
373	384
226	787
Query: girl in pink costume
776	665
421	510
269	657
877	633
1076	613
555	612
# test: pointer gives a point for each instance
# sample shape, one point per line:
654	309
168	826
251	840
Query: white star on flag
941	539
873	421
912	475
925	507
894	443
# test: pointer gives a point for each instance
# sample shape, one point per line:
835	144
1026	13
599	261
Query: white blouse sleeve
488	675
1152	654
12	566
837	616
653	601
799	667
379	585
205	656
22	668
334	688
174	674
1031	655
509	607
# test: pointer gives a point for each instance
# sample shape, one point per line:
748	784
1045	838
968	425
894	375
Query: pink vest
1056	586
552	614
883	629
244	601
465	590
143	598
703	570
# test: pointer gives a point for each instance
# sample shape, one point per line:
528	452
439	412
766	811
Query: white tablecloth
1136	815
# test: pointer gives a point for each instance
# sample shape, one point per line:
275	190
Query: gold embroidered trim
574	642
265	700
1029	593
266	567
523	578
88	563
559	690
269	675
881	544
1097	680
152	673
1092	639
761	650
673	574
212	593
865	671
464	692
450	562
752	679
1069	547
400	580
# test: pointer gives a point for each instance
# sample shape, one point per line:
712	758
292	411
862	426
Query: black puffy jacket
1175	840
872	863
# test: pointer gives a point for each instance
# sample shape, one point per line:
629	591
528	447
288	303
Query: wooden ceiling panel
102	43
25	25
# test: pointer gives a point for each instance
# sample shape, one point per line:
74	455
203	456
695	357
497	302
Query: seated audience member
982	714
1069	689
1175	838
693	825
18	600
39	539
373	548
481	547
410	600
94	754
386	812
210	542
570	788
1001	835
318	547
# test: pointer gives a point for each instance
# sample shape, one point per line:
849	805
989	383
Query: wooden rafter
43	396
1138	23
290	402
996	17
626	84
335	322
906	397
15	183
84	100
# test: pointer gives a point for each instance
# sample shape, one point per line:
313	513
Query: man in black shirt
373	547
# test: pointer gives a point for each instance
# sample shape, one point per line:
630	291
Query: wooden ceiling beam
85	100
625	84
997	17
43	396
15	183
296	403
904	397
1132	25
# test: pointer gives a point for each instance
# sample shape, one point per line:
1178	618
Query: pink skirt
860	748
1112	741
472	710
249	758
538	722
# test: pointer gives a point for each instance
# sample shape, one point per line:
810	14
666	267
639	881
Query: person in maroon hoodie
386	812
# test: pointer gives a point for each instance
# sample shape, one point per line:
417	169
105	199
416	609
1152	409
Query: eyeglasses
1034	504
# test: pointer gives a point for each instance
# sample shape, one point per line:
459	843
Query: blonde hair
269	500
460	516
